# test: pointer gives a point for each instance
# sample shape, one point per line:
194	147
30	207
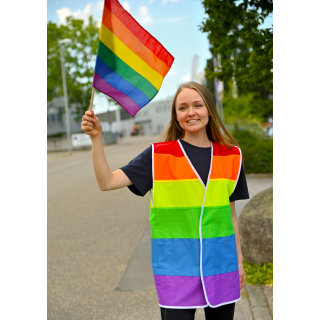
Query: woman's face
191	111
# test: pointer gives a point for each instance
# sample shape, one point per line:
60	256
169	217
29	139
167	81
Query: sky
174	23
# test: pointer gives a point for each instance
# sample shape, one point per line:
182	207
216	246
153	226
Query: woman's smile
193	121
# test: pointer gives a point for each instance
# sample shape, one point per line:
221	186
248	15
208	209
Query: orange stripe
221	166
132	42
175	168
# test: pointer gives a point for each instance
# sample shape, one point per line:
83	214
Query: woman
194	177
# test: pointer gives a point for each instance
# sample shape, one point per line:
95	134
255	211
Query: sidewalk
261	301
260	298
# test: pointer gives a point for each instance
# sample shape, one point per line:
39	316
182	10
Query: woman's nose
191	111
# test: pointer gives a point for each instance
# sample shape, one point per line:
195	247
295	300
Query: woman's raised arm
107	180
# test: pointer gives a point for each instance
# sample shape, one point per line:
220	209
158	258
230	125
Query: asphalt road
93	237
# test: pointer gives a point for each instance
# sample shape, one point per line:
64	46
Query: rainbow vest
193	248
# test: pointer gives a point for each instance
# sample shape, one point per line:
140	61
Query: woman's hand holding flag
91	125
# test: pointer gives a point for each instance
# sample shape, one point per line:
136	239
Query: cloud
65	12
126	6
186	78
91	9
95	9
177	19
143	16
172	72
165	1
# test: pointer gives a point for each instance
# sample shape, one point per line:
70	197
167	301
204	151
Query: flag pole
92	94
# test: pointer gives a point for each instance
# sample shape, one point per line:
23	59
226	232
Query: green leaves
79	56
258	274
257	151
234	32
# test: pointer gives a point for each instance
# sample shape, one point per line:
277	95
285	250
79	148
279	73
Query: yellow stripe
129	57
230	180
178	194
218	192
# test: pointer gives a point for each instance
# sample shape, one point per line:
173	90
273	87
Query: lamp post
65	95
218	86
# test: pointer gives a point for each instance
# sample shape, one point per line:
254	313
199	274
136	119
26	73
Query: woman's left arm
242	276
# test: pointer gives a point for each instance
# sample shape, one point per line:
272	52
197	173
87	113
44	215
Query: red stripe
220	150
172	147
143	35
168	147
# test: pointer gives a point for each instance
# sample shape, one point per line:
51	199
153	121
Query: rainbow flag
131	63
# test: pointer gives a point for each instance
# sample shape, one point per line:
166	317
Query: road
95	237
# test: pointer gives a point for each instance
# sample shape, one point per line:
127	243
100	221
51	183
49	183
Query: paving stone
258	303
268	292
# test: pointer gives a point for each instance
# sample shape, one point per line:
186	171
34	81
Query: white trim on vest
172	307
195	171
200	234
200	221
238	170
152	196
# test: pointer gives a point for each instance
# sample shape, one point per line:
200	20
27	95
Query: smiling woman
194	177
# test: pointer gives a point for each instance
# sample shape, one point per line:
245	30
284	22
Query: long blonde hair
215	129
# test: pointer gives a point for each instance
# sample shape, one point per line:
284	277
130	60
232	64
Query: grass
260	275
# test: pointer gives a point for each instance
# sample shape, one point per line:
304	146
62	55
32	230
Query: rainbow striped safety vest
193	248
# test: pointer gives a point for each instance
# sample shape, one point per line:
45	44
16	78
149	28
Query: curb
258	303
259	175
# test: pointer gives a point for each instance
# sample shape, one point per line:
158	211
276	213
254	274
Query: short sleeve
139	171
241	190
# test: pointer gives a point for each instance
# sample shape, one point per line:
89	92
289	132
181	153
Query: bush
257	152
258	274
56	135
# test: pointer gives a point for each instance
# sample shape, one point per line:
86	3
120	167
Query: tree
79	55
246	50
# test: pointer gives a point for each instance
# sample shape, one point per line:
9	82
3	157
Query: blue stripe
181	257
175	257
219	255
120	84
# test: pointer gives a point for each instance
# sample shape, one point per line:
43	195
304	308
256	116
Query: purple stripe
178	291
125	102
222	288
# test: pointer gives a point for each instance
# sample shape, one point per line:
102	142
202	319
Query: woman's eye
198	105
182	108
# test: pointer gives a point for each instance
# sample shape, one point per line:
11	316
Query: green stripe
184	222
217	222
126	72
175	222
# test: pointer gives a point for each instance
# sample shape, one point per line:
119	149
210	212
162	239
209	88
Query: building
56	124
201	78
150	120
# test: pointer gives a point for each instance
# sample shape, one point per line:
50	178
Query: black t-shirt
139	171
